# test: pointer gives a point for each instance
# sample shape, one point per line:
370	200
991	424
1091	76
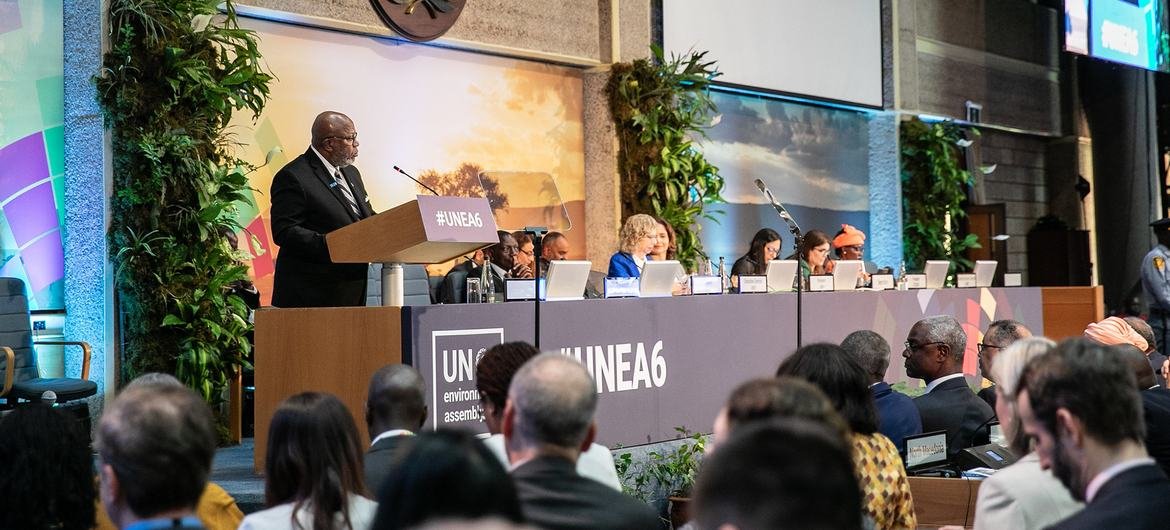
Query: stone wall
1018	182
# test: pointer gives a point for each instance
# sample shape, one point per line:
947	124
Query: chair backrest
416	286
15	330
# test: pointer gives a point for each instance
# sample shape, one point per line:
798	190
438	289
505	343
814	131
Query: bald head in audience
396	400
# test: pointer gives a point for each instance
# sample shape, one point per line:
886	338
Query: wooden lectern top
426	230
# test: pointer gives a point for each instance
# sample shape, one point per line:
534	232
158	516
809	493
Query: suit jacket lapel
327	180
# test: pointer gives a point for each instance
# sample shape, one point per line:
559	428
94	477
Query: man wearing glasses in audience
1000	334
934	353
317	193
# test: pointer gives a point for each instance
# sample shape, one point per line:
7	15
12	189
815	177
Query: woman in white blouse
313	469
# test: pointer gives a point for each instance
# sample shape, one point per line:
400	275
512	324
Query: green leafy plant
175	73
658	107
934	187
672	471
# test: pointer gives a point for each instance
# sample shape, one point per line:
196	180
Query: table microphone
398	169
780	209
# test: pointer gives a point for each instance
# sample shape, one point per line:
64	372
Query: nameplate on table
520	289
622	287
820	282
915	281
706	285
752	283
965	280
1012	279
882	282
457	219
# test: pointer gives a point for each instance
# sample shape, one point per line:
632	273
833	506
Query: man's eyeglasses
910	346
351	138
981	346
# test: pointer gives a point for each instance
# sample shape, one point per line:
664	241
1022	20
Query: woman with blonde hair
1021	495
638	235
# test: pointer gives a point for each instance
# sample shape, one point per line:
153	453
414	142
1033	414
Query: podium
426	230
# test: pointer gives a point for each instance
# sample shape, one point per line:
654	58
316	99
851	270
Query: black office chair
22	377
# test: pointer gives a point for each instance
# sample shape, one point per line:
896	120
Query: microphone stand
537	233
798	238
416	181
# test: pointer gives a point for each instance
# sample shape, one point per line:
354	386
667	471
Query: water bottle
722	275
485	281
902	277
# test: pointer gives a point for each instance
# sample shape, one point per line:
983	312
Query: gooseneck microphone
780	209
416	181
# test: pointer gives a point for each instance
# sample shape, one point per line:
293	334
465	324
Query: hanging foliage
659	107
175	73
934	188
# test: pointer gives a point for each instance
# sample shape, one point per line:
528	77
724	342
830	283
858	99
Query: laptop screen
926	450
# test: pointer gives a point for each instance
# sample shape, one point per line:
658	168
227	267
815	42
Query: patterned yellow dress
885	491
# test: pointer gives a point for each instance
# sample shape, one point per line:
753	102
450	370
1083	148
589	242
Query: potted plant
659	106
665	475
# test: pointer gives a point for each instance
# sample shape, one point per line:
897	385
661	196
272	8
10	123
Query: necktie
349	200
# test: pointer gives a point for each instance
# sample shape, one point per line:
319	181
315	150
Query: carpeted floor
232	470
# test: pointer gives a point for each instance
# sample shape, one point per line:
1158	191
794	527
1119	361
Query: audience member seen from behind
877	463
764	247
934	353
313	469
446	474
1080	404
638	236
525	260
775	397
814	254
155	445
1154	357
396	409
1155	406
216	508
999	335
1021	495
779	474
548	421
897	415
664	246
48	473
493	376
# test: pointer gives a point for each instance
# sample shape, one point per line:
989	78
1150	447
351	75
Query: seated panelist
814	254
664	248
849	244
638	235
765	246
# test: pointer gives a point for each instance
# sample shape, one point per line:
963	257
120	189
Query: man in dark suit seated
897	415
1153	356
1000	334
1081	405
396	409
1155	406
503	266
548	421
934	353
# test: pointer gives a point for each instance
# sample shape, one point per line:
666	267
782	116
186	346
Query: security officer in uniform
1156	282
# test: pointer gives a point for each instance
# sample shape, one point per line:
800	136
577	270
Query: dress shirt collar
390	434
330	168
1111	472
934	384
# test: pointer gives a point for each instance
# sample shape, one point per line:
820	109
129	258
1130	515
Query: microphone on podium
416	181
780	209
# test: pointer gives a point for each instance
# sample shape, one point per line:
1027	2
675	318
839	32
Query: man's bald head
396	400
335	137
553	399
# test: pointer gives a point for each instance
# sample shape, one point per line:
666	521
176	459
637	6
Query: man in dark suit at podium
934	353
317	193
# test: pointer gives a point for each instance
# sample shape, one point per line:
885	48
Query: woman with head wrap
849	244
1113	331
